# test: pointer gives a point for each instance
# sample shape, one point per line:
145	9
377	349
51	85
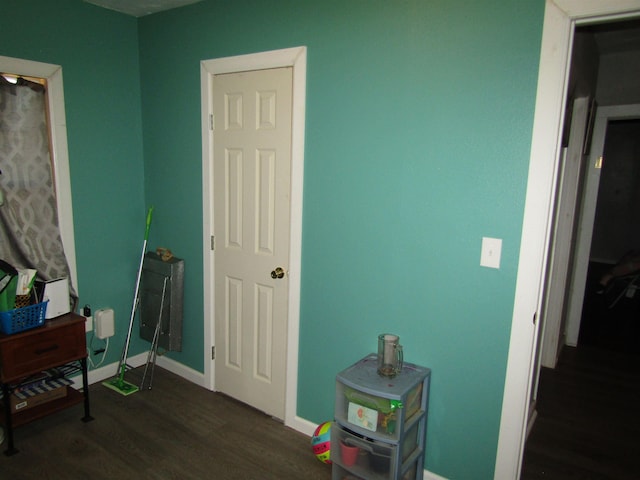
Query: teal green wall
418	128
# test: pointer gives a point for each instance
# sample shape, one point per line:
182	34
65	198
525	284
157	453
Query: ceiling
623	36
140	8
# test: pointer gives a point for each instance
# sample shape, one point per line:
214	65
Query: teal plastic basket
25	318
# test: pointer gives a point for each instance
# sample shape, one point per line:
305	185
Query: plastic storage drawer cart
381	421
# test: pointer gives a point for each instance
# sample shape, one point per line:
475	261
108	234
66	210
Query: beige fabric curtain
29	233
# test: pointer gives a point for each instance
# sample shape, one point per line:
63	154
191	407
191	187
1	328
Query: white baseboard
531	422
303	426
432	476
108	371
299	424
181	370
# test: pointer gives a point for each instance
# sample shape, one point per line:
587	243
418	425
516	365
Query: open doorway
604	64
560	20
604	67
611	305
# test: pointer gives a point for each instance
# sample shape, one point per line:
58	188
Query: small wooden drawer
59	341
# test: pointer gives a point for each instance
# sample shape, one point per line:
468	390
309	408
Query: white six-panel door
252	175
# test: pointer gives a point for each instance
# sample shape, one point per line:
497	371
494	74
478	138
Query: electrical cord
91	350
86	311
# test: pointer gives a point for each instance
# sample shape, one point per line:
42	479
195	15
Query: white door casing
295	58
560	18
251	175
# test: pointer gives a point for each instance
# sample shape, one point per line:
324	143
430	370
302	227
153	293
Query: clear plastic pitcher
390	356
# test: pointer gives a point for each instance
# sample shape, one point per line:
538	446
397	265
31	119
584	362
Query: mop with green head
119	384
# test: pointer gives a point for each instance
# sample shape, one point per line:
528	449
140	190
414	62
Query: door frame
560	19
571	172
296	58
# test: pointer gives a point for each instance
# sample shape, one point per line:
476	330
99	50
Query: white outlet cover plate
491	250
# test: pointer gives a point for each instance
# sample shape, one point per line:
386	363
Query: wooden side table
60	341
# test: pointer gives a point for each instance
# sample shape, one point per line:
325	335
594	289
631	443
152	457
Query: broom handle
134	307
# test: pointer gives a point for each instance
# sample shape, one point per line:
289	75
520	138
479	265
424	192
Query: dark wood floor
588	424
177	430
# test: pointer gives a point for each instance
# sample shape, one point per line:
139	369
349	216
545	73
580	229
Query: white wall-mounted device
104	323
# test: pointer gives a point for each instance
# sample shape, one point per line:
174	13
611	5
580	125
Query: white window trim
58	124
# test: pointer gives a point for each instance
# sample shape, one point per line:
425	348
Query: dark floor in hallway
588	423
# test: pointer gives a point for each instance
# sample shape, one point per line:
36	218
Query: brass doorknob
277	273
